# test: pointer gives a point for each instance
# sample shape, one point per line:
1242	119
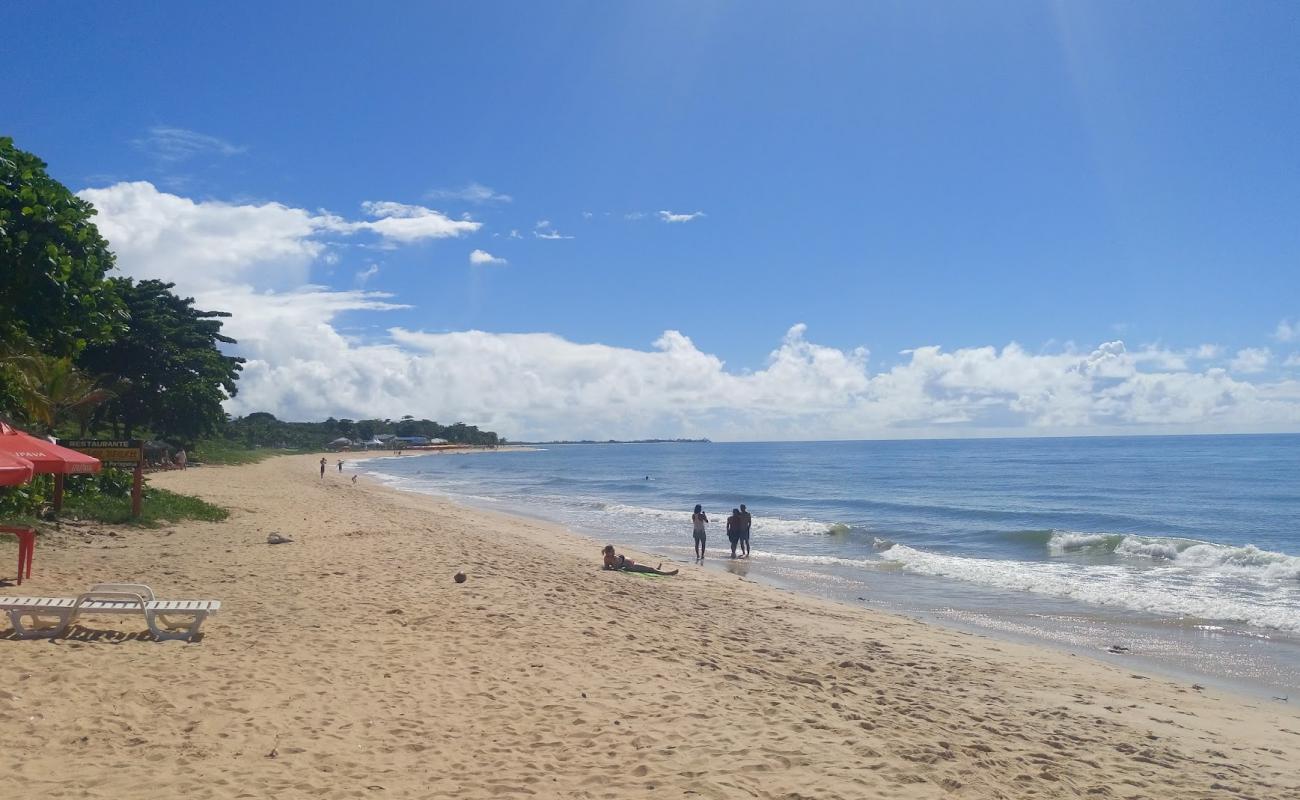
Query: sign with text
113	452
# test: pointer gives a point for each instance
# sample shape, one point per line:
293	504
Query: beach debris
1117	648
275	538
393	611
1197	687
1286	699
459	577
275	748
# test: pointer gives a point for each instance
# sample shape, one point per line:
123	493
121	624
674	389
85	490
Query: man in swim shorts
745	521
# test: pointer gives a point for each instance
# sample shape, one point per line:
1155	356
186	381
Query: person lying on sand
616	561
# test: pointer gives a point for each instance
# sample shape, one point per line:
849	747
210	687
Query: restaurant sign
113	452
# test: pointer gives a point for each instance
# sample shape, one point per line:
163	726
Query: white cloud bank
254	260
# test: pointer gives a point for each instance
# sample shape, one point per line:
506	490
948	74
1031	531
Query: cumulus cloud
671	216
200	245
542	385
1251	360
479	257
366	274
406	223
1292	360
254	260
472	192
1287	331
169	143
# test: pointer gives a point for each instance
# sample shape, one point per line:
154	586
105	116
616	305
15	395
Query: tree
53	295
52	391
171	356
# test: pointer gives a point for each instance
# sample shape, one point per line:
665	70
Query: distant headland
620	441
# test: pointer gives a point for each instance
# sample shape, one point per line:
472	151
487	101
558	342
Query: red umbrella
44	456
14	470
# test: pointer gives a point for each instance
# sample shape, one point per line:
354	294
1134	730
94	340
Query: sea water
1181	553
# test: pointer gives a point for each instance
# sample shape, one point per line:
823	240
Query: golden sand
349	664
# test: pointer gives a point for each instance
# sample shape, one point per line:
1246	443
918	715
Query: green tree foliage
51	391
53	296
170	358
261	429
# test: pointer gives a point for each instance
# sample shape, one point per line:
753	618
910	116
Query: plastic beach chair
26	549
52	616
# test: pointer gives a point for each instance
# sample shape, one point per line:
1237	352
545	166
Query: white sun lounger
52	616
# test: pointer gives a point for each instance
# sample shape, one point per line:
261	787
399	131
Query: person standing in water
322	466
733	530
745	521
698	520
340	465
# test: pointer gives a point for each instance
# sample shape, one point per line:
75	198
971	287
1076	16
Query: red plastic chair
26	549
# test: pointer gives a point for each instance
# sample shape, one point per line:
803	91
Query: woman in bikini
616	561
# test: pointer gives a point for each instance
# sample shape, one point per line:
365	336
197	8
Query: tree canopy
169	356
53	296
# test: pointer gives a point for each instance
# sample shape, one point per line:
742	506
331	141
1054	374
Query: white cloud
1287	331
472	192
479	257
405	223
366	274
1292	360
1251	360
199	245
254	260
169	143
545	230
634	215
670	216
1207	351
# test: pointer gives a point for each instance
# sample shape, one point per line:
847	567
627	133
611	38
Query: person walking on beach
322	466
733	530
698	520
745	521
340	465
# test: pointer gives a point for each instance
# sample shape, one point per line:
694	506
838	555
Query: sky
736	220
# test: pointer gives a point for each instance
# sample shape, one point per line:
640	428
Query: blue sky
893	176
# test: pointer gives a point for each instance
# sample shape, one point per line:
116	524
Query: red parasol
44	456
14	470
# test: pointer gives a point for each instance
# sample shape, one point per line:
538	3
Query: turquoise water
1185	550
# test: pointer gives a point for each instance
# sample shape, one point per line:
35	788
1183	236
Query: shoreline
353	659
1144	642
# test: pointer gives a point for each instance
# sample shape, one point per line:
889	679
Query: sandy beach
349	664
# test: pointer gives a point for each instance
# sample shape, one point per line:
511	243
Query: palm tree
52	391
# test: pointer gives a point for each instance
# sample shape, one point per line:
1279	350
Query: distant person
181	458
322	466
698	520
340	465
733	530
354	480
745	521
616	561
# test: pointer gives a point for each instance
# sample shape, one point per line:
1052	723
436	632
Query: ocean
1180	553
